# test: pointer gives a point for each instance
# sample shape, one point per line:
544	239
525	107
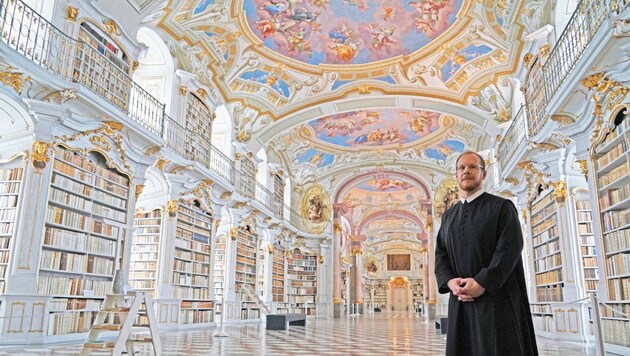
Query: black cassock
482	239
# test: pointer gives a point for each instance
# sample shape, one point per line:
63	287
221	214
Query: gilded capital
171	208
583	167
560	191
233	233
72	13
321	259
270	249
203	94
161	164
356	252
183	90
364	89
39	155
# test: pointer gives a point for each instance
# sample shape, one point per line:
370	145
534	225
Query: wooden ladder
119	313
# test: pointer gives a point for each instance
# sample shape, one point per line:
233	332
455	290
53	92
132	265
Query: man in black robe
478	261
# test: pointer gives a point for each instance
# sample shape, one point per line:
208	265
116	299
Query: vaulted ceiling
336	89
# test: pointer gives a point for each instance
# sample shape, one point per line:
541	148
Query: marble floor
379	334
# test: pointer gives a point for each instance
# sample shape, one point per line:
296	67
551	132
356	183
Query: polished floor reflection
380	334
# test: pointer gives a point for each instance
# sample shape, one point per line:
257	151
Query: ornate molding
321	259
111	129
183	90
563	119
233	233
161	164
356	252
512	181
9	77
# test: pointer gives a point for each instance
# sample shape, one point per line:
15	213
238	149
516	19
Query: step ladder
119	313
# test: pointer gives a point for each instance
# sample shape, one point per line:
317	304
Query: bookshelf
145	251
302	282
278	276
218	272
546	244
85	219
612	165
588	249
380	295
191	265
246	255
10	188
98	40
198	120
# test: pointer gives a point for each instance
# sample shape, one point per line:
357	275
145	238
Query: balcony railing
28	33
515	137
544	79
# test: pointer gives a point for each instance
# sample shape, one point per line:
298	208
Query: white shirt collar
473	197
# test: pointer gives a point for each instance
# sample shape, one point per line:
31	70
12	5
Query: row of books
74	159
545	225
64	261
548	263
140	235
618	240
587	250
192	245
202	257
6	228
585	228
189	267
8	201
616	332
143	265
4	257
541	308
546	249
549	277
144	248
142	284
7	214
62	182
619	288
589	261
191	280
142	274
193	217
591	273
70	322
619	264
541	203
616	132
546	235
614	175
193	233
584	216
196	316
549	293
48	285
240	267
11	174
180	292
615	219
61	304
197	304
9	187
74	220
611	155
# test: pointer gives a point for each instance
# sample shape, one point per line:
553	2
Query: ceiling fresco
335	89
349	31
375	127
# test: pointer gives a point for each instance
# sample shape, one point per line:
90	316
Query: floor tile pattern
379	334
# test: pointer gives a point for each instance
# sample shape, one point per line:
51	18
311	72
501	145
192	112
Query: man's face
469	173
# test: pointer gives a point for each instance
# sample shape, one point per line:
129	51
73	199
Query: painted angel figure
315	209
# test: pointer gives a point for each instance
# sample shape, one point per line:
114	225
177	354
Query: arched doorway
399	293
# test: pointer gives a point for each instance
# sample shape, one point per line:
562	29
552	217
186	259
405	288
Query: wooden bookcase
191	267
145	249
612	181
245	269
302	282
10	189
84	229
547	251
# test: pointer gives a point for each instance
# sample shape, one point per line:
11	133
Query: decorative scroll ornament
321	259
512	181
201	191
111	27
161	164
527	59
583	167
111	129
233	233
270	249
171	208
356	252
203	94
560	191
39	156
183	90
8	76
139	190
364	89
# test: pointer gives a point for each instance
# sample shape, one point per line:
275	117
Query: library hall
315	177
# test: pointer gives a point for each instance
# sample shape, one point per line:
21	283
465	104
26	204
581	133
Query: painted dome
348	31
